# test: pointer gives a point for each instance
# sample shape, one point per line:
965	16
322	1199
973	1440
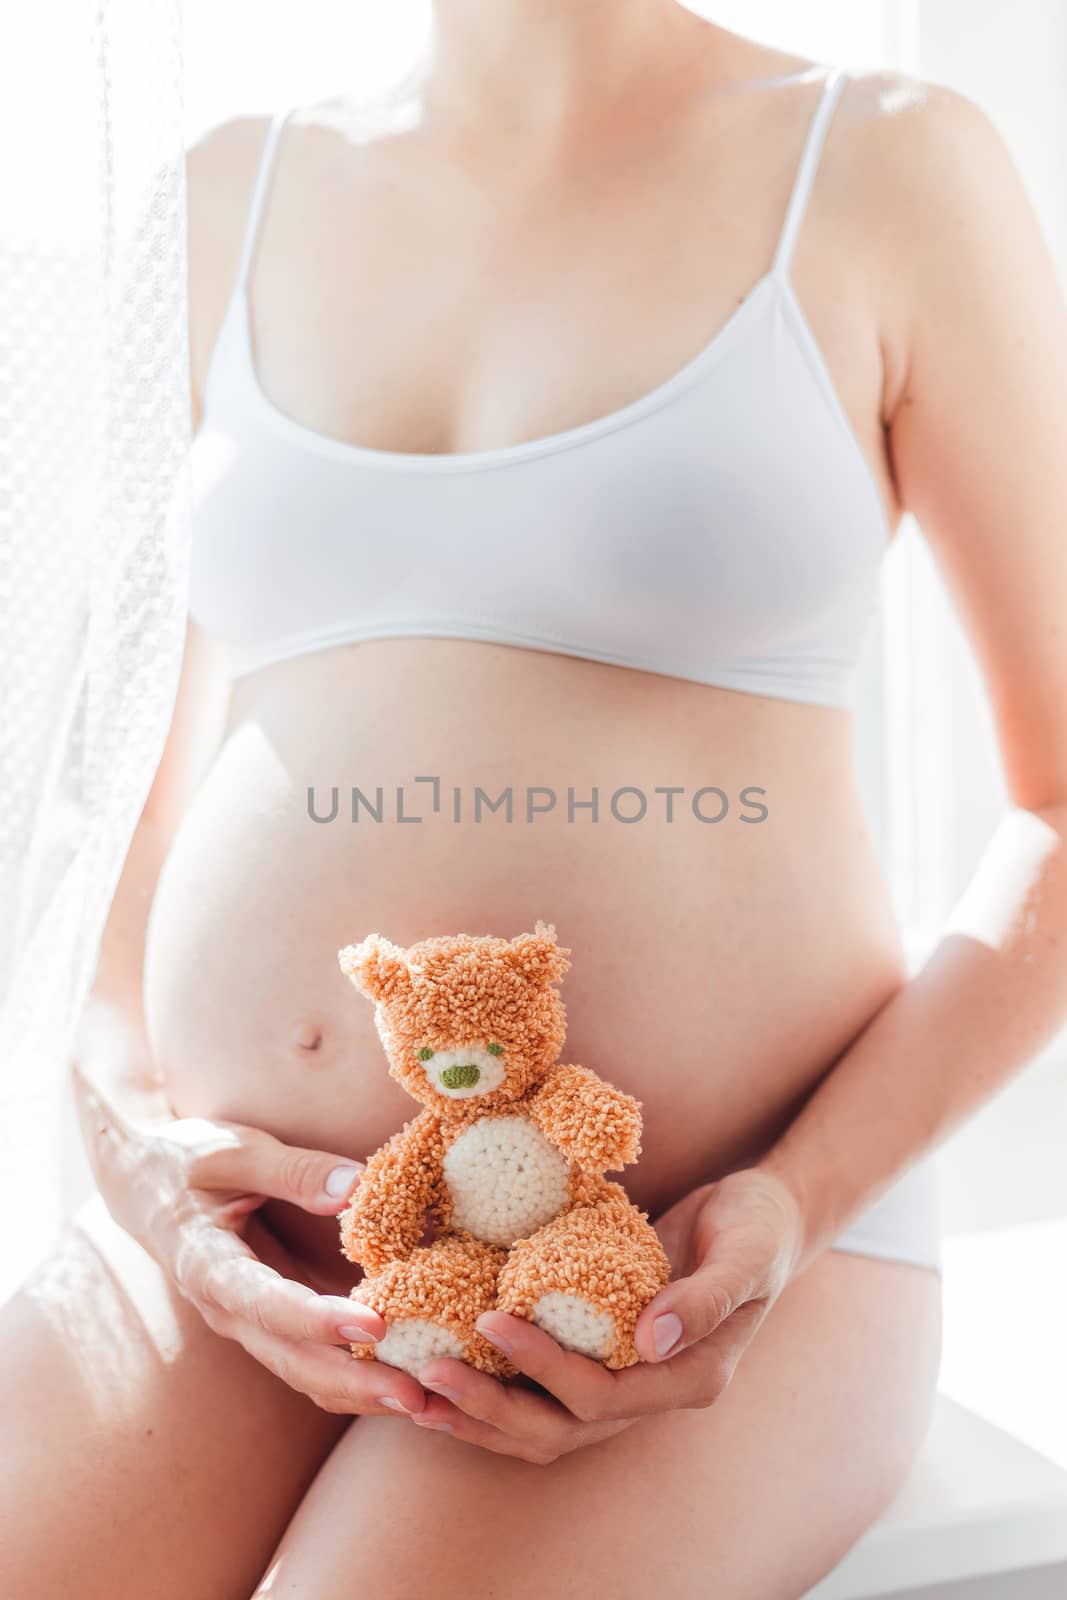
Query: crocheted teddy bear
504	1166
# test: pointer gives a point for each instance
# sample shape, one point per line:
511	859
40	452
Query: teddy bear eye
495	1049
425	1054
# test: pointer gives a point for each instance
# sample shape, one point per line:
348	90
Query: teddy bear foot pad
413	1341
575	1323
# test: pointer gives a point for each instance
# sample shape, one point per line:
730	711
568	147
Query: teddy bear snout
463	1076
464	1069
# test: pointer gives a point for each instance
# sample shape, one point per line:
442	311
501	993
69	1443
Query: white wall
242	57
853	33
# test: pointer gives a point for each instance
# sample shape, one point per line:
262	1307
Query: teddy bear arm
589	1121
386	1217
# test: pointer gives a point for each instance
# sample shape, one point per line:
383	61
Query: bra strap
809	164
259	195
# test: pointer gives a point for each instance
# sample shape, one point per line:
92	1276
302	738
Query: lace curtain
94	435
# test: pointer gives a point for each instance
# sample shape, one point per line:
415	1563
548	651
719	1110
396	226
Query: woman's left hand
732	1245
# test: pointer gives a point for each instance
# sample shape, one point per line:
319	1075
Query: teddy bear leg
586	1277
430	1301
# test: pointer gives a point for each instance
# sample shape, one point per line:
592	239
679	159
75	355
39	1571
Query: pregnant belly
717	966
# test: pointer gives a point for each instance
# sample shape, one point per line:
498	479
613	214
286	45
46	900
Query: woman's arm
992	993
114	1078
978	433
112	1046
112	1065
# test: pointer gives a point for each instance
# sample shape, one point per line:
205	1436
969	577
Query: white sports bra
724	528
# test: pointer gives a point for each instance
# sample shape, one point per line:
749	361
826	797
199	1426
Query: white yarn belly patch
505	1179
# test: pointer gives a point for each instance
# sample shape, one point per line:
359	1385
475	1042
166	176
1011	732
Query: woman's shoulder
323	149
940	218
221	166
917	141
220	169
928	179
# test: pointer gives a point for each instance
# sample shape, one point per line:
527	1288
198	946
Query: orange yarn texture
505	1164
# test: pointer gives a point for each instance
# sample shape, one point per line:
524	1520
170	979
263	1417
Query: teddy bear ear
538	955
376	967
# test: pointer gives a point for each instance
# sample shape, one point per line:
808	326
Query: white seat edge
977	1503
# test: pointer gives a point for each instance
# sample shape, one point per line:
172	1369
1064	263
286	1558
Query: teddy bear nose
464	1076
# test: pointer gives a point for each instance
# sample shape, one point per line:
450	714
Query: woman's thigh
142	1454
752	1499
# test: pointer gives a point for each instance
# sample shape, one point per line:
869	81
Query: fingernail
666	1331
441	1389
355	1335
341	1179
500	1340
394	1404
439	1425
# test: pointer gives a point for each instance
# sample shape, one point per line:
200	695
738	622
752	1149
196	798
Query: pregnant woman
553	426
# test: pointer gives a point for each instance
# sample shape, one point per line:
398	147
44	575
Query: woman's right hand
188	1190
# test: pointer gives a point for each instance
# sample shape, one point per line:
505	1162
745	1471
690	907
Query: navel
306	1036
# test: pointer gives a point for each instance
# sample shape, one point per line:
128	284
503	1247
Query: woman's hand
733	1247
188	1190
